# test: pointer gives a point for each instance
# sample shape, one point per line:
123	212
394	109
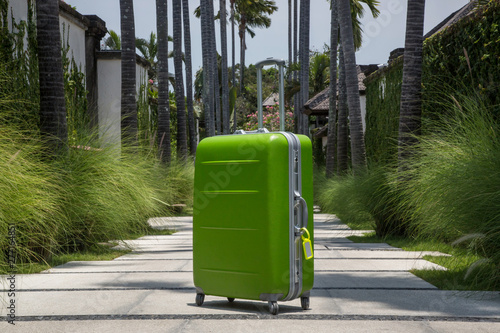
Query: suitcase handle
305	213
281	65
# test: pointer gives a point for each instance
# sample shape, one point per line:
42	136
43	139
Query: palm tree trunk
224	75
343	128
332	112
128	68
355	124
208	94
163	133
304	62
53	123
290	37
189	77
296	98
179	80
215	77
411	99
233	52
243	46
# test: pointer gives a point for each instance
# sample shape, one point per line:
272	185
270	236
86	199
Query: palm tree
179	80
149	51
343	128
163	133
305	14
113	41
411	99
128	67
189	77
224	74
52	102
331	139
208	87
355	123
252	14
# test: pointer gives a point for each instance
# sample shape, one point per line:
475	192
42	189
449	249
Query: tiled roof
320	103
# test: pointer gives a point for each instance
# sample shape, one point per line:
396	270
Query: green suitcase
252	218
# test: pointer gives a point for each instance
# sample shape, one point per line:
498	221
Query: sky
381	35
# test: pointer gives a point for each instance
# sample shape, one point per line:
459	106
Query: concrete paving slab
374	265
368	254
123	266
66	281
245	325
363	302
359	246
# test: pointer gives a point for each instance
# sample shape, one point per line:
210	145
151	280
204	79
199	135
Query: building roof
320	104
453	18
271	100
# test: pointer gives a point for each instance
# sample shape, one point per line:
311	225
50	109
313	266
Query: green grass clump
83	196
448	193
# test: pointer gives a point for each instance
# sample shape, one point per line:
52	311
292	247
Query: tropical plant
113	41
149	51
251	14
128	72
163	132
224	73
208	50
52	103
189	77
411	89
355	124
179	80
331	140
305	15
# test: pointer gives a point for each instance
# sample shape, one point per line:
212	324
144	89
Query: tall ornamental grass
449	192
454	182
81	197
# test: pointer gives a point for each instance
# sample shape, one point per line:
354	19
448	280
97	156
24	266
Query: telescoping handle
281	65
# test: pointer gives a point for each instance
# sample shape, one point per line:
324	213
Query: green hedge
474	41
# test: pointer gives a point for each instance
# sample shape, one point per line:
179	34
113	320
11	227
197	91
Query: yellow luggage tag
306	244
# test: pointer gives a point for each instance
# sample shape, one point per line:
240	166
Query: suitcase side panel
238	212
307	194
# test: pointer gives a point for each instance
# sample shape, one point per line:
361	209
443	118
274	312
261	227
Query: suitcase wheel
199	299
304	302
273	307
230	299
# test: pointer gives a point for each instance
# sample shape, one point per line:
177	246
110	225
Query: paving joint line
259	316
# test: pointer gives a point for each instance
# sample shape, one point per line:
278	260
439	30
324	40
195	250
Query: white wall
75	30
19	9
109	100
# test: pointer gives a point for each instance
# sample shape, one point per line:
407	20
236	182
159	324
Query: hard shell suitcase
252	217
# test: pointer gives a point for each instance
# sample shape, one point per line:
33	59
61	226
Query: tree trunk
215	77
179	80
358	154
411	98
53	123
208	93
163	133
296	98
343	128
332	112
233	51
290	37
189	77
242	33
224	76
128	68
304	63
